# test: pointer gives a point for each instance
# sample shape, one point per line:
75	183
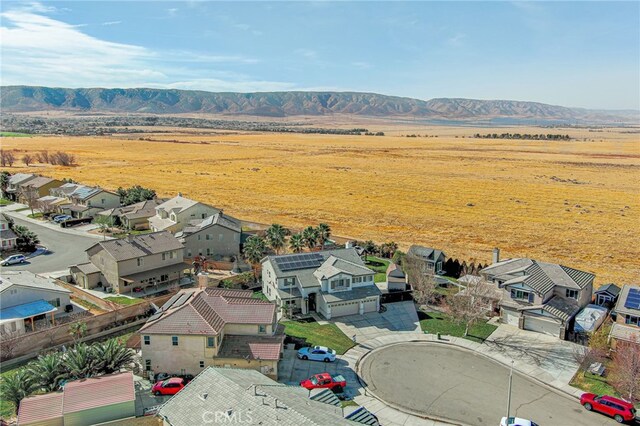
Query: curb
76	232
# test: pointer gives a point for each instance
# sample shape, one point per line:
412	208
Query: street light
509	394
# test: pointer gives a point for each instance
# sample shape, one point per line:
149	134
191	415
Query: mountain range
286	104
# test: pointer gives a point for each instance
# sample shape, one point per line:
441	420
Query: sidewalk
24	215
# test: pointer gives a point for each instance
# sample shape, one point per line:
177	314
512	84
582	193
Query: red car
621	411
168	387
325	380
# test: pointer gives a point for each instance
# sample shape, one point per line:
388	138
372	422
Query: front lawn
5	202
35	215
436	322
122	300
592	383
379	266
322	335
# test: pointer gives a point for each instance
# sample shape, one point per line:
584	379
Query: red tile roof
98	391
209	310
40	408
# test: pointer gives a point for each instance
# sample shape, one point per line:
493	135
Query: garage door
510	317
542	325
371	305
344	308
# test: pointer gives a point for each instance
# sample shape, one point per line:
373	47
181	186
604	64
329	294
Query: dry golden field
577	202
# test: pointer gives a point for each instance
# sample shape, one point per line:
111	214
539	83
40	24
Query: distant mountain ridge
285	104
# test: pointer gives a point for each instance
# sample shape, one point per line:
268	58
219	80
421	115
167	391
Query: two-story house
627	325
432	259
198	328
540	296
7	236
134	216
33	189
26	299
174	214
333	283
134	262
87	201
217	236
13	186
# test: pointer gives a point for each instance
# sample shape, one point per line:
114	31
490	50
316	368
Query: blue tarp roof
26	310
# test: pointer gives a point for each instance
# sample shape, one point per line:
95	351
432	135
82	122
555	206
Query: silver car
14	259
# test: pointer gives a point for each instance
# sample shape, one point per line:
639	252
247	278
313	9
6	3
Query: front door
312	302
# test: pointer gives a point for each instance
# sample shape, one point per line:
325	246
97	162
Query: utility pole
509	394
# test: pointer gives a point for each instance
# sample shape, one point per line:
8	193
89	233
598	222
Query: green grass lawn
593	383
5	202
378	265
259	295
121	300
322	335
22	209
35	216
435	322
15	135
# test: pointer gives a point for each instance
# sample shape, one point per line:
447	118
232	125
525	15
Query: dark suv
621	411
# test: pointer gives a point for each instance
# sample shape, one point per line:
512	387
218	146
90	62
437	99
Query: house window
164	256
262	329
199	237
288	282
164	278
139	261
204	215
174	340
55	302
340	284
631	320
572	294
102	200
208	237
13	327
188	253
520	295
208	251
201	364
220	237
211	342
147	365
147	340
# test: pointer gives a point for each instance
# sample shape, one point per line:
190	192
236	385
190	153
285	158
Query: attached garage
371	305
542	325
345	308
510	317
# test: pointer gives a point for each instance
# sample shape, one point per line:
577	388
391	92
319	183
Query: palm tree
27	240
310	237
105	223
15	387
47	371
112	355
324	233
296	243
275	237
254	250
81	362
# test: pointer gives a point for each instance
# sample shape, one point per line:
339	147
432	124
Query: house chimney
496	255
179	194
203	280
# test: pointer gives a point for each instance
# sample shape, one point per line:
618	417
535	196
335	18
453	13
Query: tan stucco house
78	201
216	237
135	216
333	283
13	186
140	261
35	188
198	328
174	214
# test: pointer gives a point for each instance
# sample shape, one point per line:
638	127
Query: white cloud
457	40
217	85
172	11
307	53
108	23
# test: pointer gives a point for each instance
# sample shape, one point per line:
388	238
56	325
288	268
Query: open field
575	202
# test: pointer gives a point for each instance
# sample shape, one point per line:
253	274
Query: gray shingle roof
560	307
140	245
216	219
177	204
248	394
353	294
610	288
426	252
348	254
87	268
19	178
28	279
335	265
37	182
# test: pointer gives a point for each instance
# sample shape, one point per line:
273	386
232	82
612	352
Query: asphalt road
455	384
66	249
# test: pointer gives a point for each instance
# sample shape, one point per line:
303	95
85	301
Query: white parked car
516	421
12	260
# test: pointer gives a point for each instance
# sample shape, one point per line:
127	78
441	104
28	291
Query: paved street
448	382
66	248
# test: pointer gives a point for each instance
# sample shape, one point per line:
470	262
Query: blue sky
583	54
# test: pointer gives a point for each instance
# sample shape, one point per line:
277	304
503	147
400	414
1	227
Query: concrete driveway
532	351
144	398
398	317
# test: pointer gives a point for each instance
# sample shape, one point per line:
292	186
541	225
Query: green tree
26	240
310	237
324	233
112	356
398	257
47	371
254	250
276	235
78	330
81	361
135	194
296	243
15	387
105	223
4	182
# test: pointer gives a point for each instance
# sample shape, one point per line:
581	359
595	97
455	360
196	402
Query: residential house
133	262
432	259
86	201
607	295
7	236
539	296
216	237
233	396
333	283
84	402
135	216
198	328
33	189
396	279
27	299
13	186
627	325
174	214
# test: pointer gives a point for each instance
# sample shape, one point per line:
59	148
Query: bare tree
43	157
625	369
30	196
8	344
7	158
421	280
473	303
597	350
27	159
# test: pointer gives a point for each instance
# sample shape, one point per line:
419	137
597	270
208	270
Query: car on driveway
14	259
325	381
516	421
317	353
168	387
62	218
622	411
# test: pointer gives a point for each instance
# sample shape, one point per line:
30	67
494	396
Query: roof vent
204	396
229	412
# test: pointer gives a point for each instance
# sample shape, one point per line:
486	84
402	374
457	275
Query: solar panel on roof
633	299
171	301
182	300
